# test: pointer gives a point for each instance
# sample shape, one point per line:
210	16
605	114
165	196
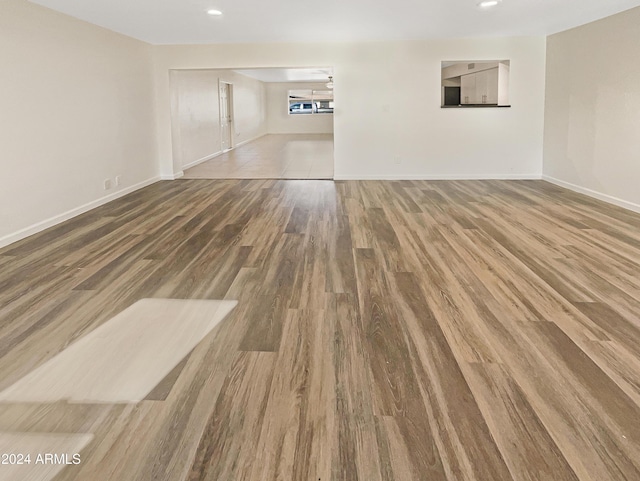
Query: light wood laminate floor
384	331
273	156
124	359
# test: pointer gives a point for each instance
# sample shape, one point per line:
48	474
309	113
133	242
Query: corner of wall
52	221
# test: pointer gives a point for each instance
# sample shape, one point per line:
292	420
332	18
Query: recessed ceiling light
488	3
214	12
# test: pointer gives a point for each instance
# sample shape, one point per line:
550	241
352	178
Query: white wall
388	122
280	122
81	104
77	108
249	106
592	120
195	112
195	115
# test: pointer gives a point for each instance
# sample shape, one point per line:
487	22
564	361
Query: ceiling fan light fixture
329	84
214	12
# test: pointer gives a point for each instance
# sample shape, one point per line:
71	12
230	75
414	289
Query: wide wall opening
253	122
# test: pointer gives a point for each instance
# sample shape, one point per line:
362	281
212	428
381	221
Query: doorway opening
238	123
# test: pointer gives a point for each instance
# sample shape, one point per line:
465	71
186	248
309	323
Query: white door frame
231	114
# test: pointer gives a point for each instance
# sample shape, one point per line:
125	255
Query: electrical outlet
118	180
107	184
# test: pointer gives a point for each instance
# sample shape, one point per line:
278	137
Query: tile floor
274	156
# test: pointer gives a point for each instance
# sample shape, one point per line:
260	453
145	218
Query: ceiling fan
330	83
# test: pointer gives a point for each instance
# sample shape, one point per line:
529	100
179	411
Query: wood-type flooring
385	331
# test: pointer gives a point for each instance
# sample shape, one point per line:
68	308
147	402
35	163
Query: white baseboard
175	176
439	177
45	224
594	193
249	140
200	161
217	154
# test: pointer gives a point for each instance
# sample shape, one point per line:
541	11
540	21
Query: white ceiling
288	74
186	21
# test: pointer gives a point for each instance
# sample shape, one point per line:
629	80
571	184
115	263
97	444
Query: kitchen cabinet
480	87
468	89
487	87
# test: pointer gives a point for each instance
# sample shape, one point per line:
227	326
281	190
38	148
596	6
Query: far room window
310	102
